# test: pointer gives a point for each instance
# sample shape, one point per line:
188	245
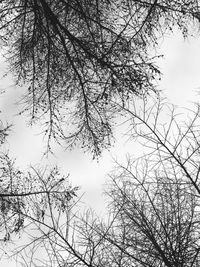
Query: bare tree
78	57
154	221
155	198
170	137
29	202
156	217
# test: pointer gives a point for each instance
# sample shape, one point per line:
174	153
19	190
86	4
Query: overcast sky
180	84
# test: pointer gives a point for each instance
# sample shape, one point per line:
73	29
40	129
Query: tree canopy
78	58
83	63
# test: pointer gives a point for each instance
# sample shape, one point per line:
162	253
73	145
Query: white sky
180	83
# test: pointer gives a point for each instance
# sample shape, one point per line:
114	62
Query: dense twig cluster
36	194
77	56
